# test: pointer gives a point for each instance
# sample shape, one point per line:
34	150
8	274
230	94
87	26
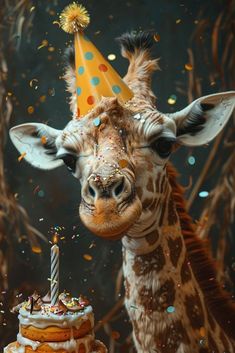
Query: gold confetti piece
32	9
9	93
115	335
30	109
43	44
36	249
123	163
87	257
111	57
51	49
31	83
43	140
156	37
56	23
178	21
172	99
202	331
42	98
188	67
21	156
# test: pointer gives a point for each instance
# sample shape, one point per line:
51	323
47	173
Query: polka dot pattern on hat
81	70
103	68
116	89
79	91
91	100
89	55
95	81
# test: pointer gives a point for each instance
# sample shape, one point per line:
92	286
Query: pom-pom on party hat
95	77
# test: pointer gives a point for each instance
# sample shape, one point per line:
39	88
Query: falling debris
21	156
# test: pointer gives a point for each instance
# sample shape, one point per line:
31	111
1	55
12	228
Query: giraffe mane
218	301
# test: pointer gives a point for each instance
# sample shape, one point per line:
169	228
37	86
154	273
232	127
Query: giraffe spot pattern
172	215
154	261
152	237
194	311
159	300
146	203
175	248
185	272
139	191
149	185
169	340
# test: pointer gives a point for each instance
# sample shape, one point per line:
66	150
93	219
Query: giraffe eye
70	161
163	146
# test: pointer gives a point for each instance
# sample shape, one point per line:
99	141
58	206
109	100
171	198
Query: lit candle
54	273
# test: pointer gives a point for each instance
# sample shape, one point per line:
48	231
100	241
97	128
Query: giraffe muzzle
109	206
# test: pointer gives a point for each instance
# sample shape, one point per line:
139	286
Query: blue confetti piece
170	309
203	193
97	121
191	160
41	193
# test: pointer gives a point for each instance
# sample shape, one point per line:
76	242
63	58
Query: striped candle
54	274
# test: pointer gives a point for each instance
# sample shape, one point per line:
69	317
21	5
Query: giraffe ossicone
140	202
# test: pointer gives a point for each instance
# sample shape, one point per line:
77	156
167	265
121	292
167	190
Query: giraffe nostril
91	191
118	190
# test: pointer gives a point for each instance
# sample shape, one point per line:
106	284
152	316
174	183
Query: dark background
52	198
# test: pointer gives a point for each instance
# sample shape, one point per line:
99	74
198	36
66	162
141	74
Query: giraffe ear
204	118
36	142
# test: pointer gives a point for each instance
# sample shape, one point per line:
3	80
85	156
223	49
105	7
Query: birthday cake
67	326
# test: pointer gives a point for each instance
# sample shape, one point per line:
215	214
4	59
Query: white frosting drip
43	320
70	345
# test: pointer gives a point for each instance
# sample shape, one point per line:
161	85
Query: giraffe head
116	151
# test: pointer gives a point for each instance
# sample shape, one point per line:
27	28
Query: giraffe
129	192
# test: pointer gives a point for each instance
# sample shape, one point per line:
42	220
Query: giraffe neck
163	299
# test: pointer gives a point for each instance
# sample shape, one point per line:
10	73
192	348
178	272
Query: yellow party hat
95	77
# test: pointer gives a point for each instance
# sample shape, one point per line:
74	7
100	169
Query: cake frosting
67	326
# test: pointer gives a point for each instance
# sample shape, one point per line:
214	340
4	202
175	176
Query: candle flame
55	238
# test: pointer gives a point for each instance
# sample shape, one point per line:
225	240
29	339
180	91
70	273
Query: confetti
170	309
30	109
51	49
188	67
123	163
43	140
41	193
51	92
42	99
97	121
56	23
203	193
191	160
202	331
21	156
87	257
32	9
157	37
111	57
36	249
43	44
172	99
133	307
178	21
33	83
115	335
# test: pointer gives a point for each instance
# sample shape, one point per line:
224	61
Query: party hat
95	77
